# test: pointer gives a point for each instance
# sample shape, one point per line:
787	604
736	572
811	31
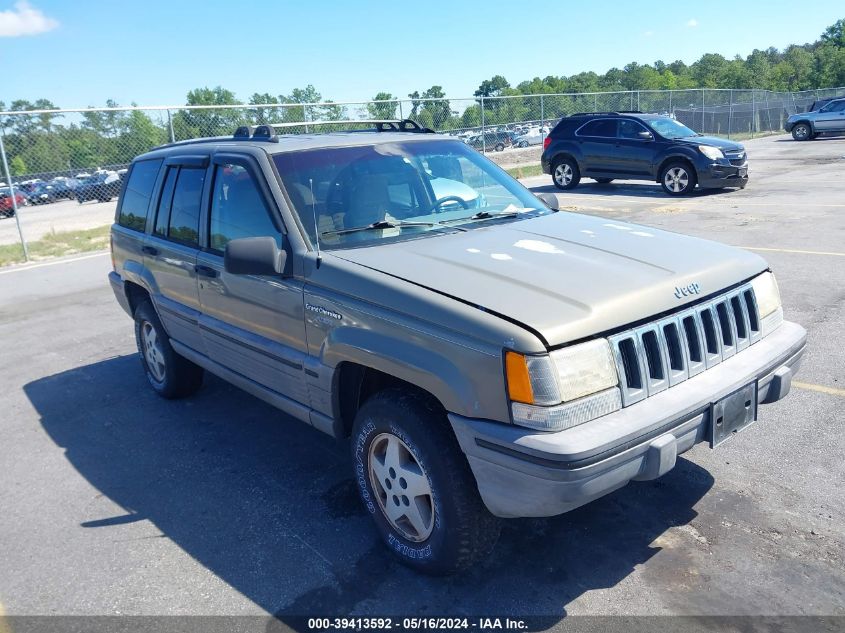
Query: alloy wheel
401	487
153	353
563	174
676	179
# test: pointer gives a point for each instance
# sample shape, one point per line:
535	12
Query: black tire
562	179
175	376
683	177
461	529
499	147
604	181
802	132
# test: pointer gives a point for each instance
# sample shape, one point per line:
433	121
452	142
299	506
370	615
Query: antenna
316	225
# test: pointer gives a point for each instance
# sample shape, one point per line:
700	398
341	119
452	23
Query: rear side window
136	197
180	205
602	127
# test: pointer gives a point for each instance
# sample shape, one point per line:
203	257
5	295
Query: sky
79	53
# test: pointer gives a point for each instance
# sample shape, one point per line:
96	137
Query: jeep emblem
686	291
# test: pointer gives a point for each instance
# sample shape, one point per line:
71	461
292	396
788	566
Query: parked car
7	209
101	186
483	354
46	192
531	137
491	140
634	146
829	118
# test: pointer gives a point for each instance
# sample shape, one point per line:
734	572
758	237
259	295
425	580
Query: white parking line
18	269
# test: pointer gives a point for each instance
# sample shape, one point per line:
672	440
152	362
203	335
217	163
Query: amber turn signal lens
519	382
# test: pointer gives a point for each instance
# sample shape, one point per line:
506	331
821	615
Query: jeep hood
564	276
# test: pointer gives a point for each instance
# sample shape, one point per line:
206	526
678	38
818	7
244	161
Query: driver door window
237	208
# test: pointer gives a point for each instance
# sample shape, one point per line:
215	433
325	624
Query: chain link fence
50	156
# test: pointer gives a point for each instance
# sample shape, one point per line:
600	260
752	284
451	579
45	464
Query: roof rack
267	132
606	113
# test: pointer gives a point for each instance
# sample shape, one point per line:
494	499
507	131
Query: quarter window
238	208
136	197
602	127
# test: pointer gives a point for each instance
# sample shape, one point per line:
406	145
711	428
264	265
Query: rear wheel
678	179
565	173
416	484
604	181
802	132
171	375
499	147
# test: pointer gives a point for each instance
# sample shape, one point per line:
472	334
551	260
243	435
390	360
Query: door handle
205	271
149	250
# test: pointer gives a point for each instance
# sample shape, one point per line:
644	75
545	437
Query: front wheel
565	173
802	132
416	484
500	147
678	179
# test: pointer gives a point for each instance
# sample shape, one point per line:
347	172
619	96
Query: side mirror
646	135
254	256
550	200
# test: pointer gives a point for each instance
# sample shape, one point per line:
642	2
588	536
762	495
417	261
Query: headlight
768	302
568	387
713	153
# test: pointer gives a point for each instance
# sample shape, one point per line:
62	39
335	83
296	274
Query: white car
531	137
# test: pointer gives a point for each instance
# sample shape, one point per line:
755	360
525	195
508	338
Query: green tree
17	166
212	121
383	110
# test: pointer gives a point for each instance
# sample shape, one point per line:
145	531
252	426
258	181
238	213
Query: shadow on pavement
268	505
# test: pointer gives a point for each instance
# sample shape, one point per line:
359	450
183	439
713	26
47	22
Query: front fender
464	379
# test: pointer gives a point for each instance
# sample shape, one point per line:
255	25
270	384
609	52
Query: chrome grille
664	353
737	158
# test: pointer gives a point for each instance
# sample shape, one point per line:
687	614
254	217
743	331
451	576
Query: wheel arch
363	363
673	158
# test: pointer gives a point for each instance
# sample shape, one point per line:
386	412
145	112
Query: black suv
636	146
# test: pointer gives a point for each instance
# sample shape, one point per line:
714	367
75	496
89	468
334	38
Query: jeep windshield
366	194
670	128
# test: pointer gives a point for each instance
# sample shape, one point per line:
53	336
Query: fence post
305	118
542	121
702	111
483	136
12	193
401	116
671	111
638	101
170	125
731	113
753	111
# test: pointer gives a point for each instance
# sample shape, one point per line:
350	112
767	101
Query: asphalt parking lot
113	501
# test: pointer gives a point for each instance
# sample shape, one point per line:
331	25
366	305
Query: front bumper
717	175
523	473
789	125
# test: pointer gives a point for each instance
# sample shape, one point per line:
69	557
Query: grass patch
525	171
57	244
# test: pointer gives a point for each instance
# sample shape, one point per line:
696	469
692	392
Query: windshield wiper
486	215
377	226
